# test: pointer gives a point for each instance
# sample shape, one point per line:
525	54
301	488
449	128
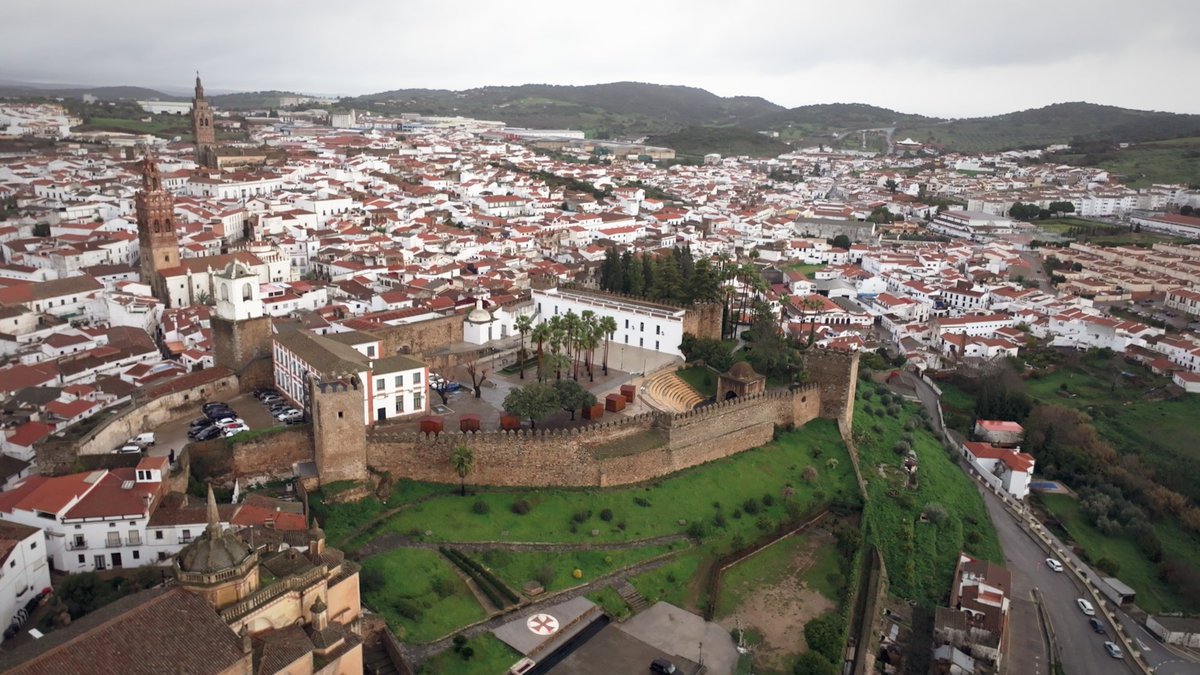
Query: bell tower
158	245
202	128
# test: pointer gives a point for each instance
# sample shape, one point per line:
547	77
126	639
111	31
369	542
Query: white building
93	520
641	324
24	572
1004	468
394	386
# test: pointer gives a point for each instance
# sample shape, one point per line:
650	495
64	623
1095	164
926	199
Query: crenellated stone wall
618	452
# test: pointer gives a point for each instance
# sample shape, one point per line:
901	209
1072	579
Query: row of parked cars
280	409
136	445
219	420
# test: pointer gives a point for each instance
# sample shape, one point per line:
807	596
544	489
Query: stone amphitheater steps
377	662
670	390
631	597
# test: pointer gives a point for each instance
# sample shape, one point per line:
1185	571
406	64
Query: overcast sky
950	58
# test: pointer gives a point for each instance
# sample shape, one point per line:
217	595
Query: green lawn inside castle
419	549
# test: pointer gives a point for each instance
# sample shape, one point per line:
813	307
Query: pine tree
626	281
637	278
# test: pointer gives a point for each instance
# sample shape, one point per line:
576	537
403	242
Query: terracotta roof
148	633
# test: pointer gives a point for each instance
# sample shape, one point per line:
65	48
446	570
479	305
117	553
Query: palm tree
571	328
589	340
463	461
557	339
608	327
540	334
524	324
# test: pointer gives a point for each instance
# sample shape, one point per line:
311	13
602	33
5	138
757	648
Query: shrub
581	516
719	520
768	500
901	448
1108	566
751	506
812	663
810	474
371	578
763	523
545	575
737	513
621	525
466	653
606	515
442	586
824	636
408	610
695	530
458	641
642	502
521	507
481	507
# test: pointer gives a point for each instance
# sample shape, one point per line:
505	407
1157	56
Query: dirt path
778	612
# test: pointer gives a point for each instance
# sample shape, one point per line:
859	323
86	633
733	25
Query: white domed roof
479	315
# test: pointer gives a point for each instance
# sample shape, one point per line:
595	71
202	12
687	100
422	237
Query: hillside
618	108
1058	123
248	100
821	122
103	93
695	142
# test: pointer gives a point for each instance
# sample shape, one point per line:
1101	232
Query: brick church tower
157	243
202	129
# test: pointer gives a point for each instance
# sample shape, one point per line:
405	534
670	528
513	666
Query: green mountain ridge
637	109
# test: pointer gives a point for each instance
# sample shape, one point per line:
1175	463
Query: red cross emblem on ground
542	624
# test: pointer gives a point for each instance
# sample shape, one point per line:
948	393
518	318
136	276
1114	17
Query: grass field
920	556
611	601
1143	164
805	269
407	598
489	656
1122	400
516	568
638	512
771	566
1065	225
703	380
1153	594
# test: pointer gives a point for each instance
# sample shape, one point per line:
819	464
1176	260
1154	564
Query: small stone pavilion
740	381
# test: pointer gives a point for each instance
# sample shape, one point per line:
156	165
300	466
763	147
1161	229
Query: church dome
216	549
742	371
479	314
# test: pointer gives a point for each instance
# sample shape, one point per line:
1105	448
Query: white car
1113	650
128	449
289	414
1085	607
1054	565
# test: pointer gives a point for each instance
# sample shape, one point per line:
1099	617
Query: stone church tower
158	244
202	129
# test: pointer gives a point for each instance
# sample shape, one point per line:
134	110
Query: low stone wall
149	409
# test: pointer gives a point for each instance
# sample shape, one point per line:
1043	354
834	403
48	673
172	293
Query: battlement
646	420
336	386
626	297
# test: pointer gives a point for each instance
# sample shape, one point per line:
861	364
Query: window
186	536
137	555
340	415
642	326
371	351
658	330
626	324
656	345
399	404
399	381
417	377
417	402
380	383
114	539
82	559
32	545
158	534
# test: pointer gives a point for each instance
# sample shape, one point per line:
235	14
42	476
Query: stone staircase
376	661
631	597
670	391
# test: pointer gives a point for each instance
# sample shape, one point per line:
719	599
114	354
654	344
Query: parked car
289	414
199	422
143	439
196	433
208	433
1054	564
1113	649
1096	624
262	393
218	413
128	450
662	666
1085	607
294	420
213	404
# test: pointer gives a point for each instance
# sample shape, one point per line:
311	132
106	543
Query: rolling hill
695	142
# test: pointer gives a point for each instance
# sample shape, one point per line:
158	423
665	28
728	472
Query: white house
394	386
93	520
1005	468
24	572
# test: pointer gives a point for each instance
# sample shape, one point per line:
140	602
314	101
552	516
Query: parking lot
173	434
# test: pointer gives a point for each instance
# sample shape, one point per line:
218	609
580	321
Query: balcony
134	540
112	543
77	544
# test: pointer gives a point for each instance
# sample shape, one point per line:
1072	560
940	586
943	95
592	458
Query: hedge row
496	591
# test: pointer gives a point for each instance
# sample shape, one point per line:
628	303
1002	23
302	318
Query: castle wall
339	431
703	321
245	348
420	337
265	456
586	456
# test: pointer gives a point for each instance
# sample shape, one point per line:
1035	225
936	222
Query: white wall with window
640	324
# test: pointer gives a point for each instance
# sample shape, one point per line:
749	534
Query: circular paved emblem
542	624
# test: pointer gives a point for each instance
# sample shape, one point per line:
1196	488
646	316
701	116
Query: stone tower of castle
339	433
202	129
241	331
158	244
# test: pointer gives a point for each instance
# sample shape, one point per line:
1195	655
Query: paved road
173	434
1081	650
